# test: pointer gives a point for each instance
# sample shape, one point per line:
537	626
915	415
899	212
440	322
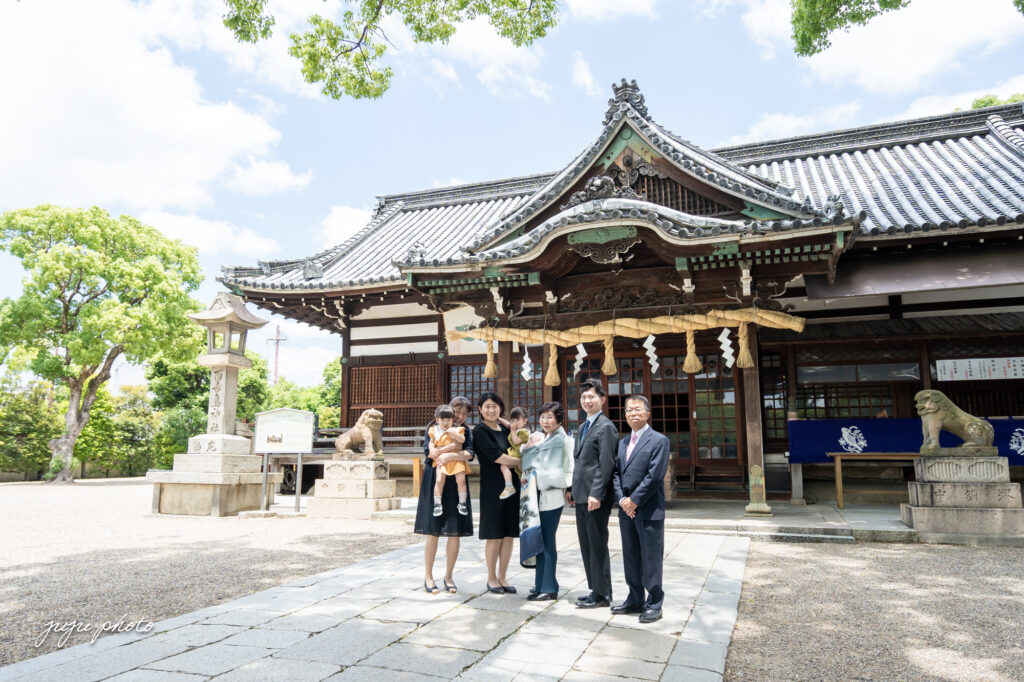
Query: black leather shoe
496	590
509	589
542	596
584	598
650	615
626	609
595	602
533	590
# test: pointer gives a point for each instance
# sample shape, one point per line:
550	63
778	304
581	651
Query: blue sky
151	108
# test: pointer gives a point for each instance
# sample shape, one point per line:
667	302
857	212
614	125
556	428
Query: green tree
181	391
344	57
289	394
992	100
329	403
28	421
135	423
97	442
97	288
815	20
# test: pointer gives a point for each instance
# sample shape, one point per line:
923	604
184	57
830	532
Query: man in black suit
639	485
592	494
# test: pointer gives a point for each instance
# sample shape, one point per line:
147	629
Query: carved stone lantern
227	323
218	475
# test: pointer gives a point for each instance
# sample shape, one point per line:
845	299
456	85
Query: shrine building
775	301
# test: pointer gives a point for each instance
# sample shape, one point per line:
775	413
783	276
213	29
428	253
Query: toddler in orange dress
443	433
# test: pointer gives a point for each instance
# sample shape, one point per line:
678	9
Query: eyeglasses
636	410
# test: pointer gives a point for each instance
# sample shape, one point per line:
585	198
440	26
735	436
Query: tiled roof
675	226
941	172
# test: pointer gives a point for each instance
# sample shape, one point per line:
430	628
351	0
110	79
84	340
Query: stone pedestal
216	477
966	499
353	489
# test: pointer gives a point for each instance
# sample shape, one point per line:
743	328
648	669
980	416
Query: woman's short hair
594	385
460	401
517	413
555	408
491	395
444	412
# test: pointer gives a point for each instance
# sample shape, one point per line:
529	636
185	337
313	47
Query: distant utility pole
277	341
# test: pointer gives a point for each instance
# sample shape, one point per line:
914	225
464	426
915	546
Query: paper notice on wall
463	318
979	369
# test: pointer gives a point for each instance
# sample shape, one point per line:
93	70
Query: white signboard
975	369
284	431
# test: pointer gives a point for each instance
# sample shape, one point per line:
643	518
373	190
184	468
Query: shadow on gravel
879	612
153	585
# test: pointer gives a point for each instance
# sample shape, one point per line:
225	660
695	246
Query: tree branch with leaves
814	21
97	289
344	57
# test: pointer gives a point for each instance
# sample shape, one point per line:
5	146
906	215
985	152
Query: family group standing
593	472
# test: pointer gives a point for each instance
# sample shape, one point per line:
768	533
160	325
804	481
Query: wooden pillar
505	369
758	505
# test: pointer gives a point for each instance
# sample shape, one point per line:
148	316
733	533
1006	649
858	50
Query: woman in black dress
450	523
499	519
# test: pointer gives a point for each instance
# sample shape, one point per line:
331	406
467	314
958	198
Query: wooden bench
838	458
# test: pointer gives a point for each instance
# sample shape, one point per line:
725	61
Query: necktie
583	431
632	444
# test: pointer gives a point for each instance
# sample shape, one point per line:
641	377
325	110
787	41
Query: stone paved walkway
373	621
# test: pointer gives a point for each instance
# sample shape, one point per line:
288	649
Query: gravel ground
87	552
880	612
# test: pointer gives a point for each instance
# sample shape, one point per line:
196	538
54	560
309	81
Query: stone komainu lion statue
939	413
364	436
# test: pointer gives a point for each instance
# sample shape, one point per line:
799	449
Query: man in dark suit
592	494
639	487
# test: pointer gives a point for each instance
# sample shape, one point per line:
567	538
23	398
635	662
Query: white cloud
504	69
261	177
212	237
944	104
609	10
774	126
450	182
445	70
767	22
341	223
901	52
197	25
582	78
107	116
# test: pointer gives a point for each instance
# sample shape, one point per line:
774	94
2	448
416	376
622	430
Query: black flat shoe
533	590
626	609
449	587
430	590
509	589
496	590
542	596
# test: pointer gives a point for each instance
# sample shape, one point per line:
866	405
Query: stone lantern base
216	477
